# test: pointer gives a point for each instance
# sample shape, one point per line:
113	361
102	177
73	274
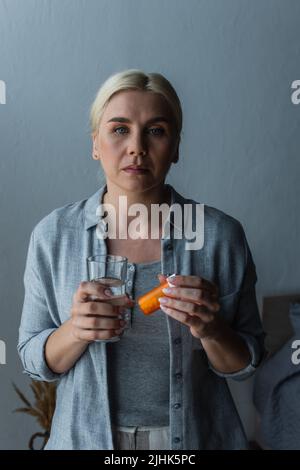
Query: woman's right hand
97	319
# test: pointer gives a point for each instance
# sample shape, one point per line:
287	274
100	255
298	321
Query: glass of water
111	272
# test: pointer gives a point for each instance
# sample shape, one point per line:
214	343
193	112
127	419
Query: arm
233	350
245	332
62	349
226	351
37	324
48	349
89	321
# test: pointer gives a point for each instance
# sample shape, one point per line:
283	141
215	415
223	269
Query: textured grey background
232	63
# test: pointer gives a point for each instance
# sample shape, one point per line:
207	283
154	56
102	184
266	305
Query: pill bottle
149	302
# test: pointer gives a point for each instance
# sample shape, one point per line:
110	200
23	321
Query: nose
137	145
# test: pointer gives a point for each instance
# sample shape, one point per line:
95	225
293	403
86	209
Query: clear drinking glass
110	271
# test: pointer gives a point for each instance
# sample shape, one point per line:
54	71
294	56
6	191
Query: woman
162	386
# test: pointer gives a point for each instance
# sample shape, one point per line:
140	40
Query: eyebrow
151	121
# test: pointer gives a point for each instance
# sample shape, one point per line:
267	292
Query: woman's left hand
193	301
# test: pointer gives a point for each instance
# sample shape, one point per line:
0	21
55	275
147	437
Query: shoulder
217	223
68	216
223	224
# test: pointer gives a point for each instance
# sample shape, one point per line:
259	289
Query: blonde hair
138	80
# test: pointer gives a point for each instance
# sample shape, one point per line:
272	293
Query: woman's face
136	129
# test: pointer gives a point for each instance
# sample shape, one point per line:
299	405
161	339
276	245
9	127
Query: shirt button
178	375
177	406
131	268
177	340
129	283
176	440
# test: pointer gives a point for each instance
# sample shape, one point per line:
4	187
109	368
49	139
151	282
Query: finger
187	307
90	288
197	296
194	323
119	300
195	281
93	335
102	323
183	317
96	309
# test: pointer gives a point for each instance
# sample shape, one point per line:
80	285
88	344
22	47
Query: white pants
141	437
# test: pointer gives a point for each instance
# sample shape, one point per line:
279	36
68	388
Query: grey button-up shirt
201	410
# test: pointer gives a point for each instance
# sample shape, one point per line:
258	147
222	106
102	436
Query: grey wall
232	63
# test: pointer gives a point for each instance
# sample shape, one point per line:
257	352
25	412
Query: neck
157	195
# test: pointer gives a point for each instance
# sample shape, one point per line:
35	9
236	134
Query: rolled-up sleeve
36	322
247	323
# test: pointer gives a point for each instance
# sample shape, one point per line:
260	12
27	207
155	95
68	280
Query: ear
95	153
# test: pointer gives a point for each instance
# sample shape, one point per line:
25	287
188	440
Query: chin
137	184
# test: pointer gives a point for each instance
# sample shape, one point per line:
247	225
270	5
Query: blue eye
117	128
157	129
161	131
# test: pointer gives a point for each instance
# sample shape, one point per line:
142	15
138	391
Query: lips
132	167
135	170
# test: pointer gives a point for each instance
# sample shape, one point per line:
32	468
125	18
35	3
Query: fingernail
163	300
167	290
108	292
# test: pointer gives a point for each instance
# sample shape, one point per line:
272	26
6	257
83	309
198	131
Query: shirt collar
90	210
